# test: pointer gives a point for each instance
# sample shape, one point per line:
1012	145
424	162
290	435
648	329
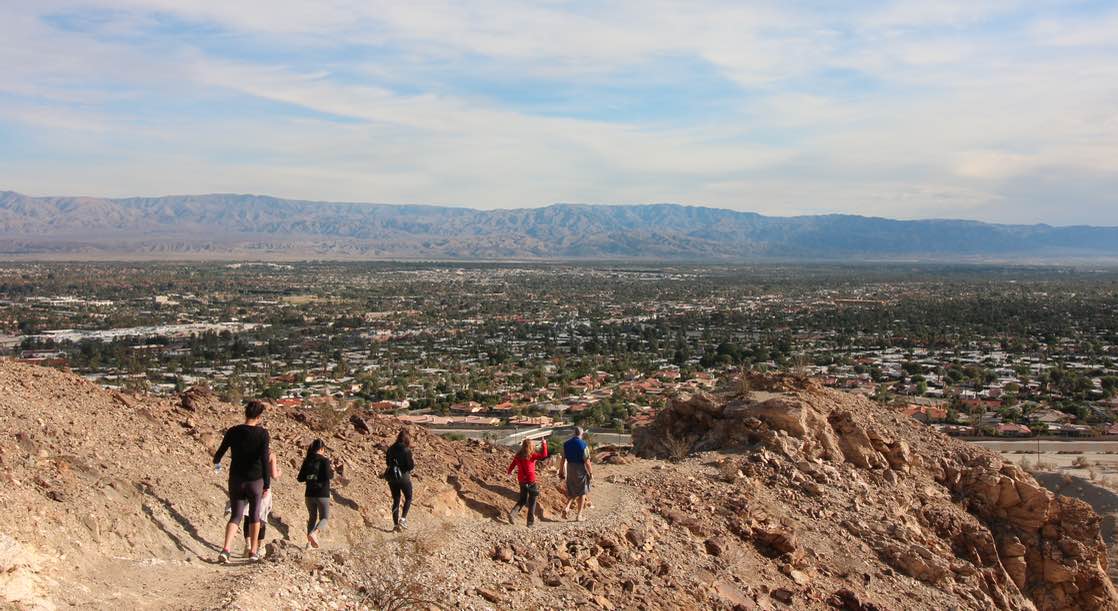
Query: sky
996	110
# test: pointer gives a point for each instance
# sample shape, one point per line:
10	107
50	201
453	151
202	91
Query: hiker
265	509
400	465
316	472
525	464
249	476
574	466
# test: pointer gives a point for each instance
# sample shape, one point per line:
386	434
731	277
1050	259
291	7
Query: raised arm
542	454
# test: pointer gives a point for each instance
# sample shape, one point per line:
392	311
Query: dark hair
253	409
314	448
404	438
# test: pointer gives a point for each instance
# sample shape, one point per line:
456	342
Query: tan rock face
950	515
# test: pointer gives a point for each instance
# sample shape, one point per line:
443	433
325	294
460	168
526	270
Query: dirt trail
442	553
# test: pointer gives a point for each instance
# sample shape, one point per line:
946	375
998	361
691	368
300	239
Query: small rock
490	595
715	546
503	553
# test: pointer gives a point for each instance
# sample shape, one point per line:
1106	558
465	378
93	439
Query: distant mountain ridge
252	226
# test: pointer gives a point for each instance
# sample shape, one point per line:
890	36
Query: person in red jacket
525	464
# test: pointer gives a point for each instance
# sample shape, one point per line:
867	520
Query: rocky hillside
229	225
800	498
949	515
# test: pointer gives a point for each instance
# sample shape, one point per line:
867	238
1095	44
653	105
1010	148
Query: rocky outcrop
945	513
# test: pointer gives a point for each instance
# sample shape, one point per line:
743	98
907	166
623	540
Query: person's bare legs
254	537
581	502
230	533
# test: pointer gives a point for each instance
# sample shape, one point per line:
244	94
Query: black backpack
393	473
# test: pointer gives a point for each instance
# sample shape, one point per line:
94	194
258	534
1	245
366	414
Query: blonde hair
526	449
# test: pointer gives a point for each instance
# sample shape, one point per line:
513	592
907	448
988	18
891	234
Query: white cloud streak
910	109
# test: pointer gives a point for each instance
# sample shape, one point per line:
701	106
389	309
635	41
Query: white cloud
911	109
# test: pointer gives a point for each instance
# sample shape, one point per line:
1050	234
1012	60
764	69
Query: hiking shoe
403	523
223	557
396	528
512	516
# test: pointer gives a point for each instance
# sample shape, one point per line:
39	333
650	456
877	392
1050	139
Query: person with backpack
574	467
316	472
249	476
398	474
525	464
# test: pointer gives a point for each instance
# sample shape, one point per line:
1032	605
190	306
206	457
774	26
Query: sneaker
403	523
223	557
255	557
512	515
396	528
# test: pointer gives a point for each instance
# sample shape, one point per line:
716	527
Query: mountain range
231	226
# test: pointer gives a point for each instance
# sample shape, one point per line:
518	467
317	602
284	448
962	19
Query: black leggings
528	495
243	493
318	511
401	487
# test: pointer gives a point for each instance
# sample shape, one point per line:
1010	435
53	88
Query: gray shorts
578	480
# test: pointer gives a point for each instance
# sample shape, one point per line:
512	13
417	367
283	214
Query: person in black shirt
317	473
398	474
249	475
265	507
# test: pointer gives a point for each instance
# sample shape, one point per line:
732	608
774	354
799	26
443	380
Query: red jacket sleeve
542	454
512	465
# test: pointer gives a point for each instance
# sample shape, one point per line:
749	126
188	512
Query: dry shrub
329	416
728	471
677	447
409	588
1081	462
1093	474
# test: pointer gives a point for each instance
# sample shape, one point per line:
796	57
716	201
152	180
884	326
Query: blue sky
998	110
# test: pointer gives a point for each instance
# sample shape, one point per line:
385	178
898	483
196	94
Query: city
976	351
